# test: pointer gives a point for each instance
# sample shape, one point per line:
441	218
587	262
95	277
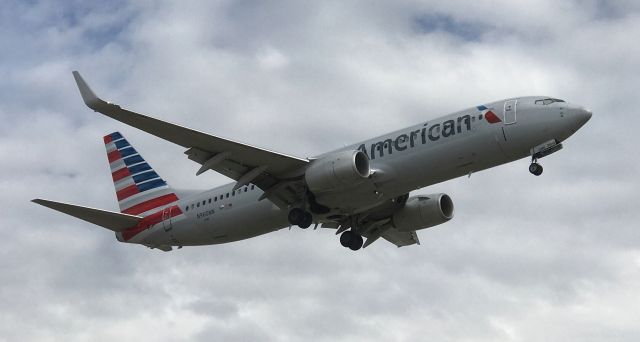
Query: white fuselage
405	160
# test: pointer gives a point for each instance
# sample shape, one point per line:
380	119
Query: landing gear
535	168
351	240
300	218
306	221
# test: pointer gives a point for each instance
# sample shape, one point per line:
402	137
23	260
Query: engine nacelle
422	212
338	171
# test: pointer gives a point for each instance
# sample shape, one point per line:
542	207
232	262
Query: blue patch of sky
27	26
100	35
29	19
430	23
605	9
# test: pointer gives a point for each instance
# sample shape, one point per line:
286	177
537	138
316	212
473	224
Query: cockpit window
547	101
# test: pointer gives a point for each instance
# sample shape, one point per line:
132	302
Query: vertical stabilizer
139	189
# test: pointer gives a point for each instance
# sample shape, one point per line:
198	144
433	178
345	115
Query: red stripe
107	139
127	192
491	117
113	155
149	221
119	174
150	204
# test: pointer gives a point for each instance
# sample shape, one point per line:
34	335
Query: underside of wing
379	229
399	238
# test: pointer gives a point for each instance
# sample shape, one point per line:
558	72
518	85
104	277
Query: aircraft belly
238	223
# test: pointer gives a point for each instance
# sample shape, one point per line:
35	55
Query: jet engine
337	171
422	212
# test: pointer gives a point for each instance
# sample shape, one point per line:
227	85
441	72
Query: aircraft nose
583	115
579	116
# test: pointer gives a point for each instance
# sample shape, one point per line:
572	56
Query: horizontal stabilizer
108	219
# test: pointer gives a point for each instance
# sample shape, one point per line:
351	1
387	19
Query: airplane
361	190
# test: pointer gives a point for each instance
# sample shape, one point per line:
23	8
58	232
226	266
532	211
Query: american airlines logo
434	132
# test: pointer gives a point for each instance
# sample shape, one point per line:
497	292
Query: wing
271	171
399	238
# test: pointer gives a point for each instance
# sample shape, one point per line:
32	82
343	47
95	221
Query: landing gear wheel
345	238
351	240
307	220
535	169
356	242
296	216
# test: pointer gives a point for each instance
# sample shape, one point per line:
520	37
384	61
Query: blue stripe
127	151
481	107
145	176
115	136
139	168
121	143
156	183
134	160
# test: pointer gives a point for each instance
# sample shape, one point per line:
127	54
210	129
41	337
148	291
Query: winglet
88	96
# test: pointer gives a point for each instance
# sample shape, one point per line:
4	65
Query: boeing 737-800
361	190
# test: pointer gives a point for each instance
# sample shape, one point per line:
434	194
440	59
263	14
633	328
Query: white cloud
525	259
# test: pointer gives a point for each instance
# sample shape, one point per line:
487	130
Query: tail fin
139	189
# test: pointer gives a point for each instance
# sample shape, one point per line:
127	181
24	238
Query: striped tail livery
139	189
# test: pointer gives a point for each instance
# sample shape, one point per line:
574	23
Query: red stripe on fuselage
149	221
113	156
127	192
151	204
492	117
107	139
119	174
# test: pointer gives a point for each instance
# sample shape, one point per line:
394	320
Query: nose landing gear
540	151
535	168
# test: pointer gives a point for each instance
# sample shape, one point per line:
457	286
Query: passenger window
252	186
227	195
215	199
209	200
192	205
186	208
246	188
198	205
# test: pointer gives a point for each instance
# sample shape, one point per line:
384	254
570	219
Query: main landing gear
351	240
303	219
535	168
300	218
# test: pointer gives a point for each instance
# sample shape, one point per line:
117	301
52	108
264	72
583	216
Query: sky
550	258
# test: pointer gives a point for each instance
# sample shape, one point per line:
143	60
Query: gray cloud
526	258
